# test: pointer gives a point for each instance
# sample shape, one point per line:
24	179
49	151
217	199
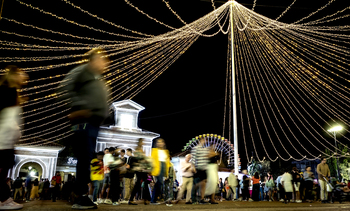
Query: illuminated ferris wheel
220	145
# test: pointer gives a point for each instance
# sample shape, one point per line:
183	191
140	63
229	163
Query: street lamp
334	130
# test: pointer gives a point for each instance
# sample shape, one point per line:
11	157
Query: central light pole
235	138
334	130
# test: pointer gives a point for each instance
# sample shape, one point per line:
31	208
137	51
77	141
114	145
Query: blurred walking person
212	175
161	164
128	177
187	171
169	183
141	165
35	190
13	79
233	183
200	159
88	95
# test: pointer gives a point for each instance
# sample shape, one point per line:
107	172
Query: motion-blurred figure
88	95
10	82
161	164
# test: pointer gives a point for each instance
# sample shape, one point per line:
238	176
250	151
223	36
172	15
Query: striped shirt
200	157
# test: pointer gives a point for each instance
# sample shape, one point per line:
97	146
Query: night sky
188	98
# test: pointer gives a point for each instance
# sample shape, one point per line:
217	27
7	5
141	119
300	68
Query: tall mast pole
235	138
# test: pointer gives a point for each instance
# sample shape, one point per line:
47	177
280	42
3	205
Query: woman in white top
287	185
10	121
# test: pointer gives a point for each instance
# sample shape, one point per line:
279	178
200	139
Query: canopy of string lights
292	79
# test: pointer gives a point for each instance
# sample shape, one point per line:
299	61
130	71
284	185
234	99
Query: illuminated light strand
250	66
45	107
44	124
45	39
46	140
41	91
106	21
48	129
227	86
38	100
220	26
240	103
321	74
75	23
325	78
148	16
247	54
35	49
313	13
145	60
154	68
56	32
40	86
238	67
15	44
224	7
47	110
50	132
281	58
321	60
179	50
46	117
132	95
318	21
267	67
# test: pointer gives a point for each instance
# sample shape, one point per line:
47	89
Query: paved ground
226	205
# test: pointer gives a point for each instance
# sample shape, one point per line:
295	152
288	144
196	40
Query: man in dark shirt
88	96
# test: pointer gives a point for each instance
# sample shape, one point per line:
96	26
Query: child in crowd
97	175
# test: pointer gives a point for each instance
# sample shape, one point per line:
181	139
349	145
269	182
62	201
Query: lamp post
334	130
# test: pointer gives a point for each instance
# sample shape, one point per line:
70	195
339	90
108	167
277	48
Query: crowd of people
119	176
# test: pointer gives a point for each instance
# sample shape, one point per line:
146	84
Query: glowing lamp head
335	128
29	167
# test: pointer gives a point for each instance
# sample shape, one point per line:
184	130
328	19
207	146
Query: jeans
157	190
237	193
261	194
97	184
84	144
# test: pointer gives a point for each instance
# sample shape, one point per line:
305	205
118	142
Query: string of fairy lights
297	71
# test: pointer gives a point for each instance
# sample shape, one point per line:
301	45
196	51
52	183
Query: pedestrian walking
10	108
161	163
88	95
323	175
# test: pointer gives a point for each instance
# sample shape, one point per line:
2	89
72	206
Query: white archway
19	165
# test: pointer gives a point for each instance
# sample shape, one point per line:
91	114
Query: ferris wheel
220	145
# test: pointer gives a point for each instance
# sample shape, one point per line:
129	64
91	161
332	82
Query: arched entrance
33	169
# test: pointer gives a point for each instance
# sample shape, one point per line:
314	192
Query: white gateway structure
43	161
